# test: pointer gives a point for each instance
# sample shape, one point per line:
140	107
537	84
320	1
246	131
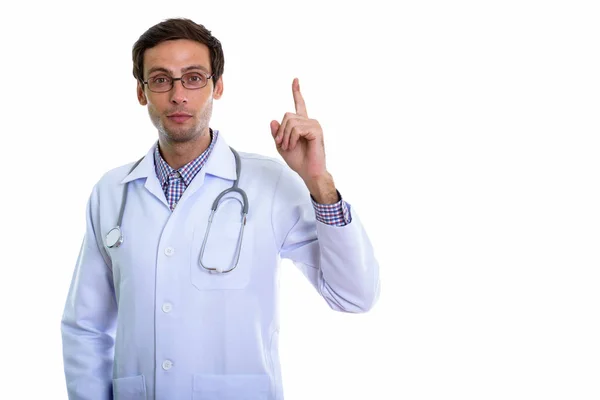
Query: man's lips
179	117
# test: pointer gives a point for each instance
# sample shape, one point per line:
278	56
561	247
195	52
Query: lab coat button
169	251
167	307
167	364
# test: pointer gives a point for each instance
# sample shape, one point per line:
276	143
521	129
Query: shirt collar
221	163
188	171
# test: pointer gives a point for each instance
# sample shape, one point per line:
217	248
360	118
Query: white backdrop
464	133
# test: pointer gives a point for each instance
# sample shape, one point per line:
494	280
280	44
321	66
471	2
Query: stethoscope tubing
114	238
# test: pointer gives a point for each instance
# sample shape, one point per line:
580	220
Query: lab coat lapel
220	163
146	169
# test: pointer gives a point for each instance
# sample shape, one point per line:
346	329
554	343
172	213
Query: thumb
274	128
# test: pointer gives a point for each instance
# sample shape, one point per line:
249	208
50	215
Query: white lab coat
145	321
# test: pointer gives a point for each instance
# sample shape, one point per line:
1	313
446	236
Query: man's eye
159	80
195	78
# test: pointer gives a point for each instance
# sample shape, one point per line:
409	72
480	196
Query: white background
464	133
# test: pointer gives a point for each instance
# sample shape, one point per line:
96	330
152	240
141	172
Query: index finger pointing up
298	99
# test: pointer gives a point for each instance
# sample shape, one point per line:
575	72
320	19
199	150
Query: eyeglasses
163	83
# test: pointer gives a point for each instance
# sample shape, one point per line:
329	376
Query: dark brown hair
172	29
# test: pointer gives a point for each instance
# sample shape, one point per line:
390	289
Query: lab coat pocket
231	387
225	237
129	388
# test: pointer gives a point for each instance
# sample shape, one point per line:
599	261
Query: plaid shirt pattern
174	182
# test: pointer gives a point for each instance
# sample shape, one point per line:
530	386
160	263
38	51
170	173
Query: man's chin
181	135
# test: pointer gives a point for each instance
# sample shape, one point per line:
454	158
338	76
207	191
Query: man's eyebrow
183	70
154	69
191	67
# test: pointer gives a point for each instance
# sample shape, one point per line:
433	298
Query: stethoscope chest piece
114	238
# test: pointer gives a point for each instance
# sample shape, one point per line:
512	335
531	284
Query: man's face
180	115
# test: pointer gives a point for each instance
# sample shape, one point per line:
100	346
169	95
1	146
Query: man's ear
141	95
218	90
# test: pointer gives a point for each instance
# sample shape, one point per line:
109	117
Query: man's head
169	50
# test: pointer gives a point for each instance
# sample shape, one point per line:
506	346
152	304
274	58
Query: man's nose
178	93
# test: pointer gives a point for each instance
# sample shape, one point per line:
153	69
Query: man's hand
299	141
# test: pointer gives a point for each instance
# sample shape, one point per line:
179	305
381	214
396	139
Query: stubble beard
183	135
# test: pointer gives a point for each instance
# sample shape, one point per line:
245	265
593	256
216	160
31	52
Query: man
168	301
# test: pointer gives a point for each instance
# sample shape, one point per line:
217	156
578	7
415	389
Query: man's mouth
179	117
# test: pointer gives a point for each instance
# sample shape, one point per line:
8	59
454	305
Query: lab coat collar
221	163
144	169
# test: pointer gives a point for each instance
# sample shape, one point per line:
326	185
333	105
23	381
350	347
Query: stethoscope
114	238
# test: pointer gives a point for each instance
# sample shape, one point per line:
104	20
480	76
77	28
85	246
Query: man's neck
178	154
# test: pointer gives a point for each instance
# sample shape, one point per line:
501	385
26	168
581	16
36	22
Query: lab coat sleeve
89	318
339	261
